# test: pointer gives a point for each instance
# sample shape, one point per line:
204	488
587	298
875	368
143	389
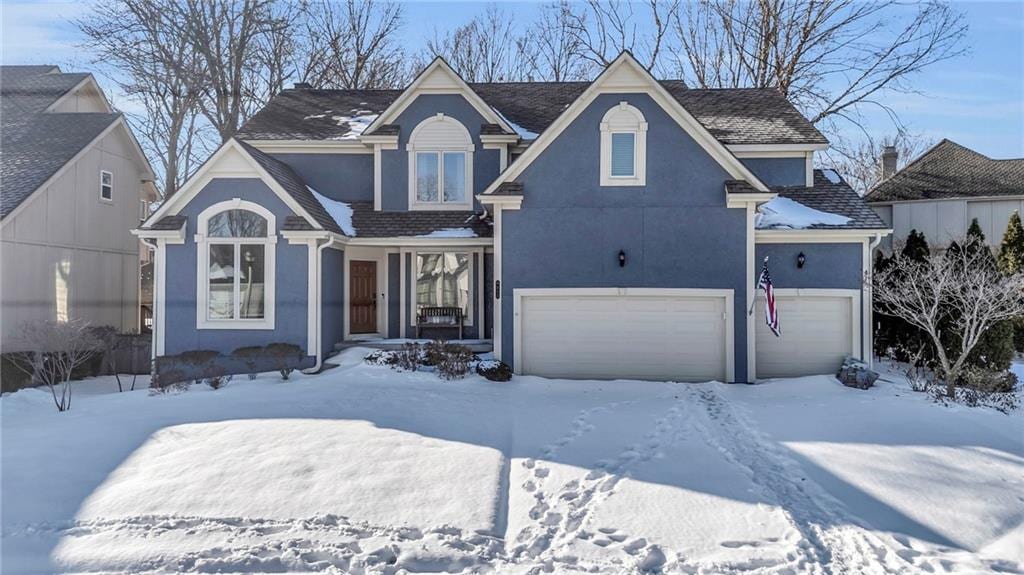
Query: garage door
817	332
632	334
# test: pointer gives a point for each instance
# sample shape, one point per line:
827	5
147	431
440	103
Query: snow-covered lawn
365	470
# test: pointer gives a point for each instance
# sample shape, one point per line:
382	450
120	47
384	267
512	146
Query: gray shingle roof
296	223
836	198
379	224
734	116
293	184
740	187
949	170
509	189
169	223
34	145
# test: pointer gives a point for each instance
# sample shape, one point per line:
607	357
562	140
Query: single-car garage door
818	327
637	333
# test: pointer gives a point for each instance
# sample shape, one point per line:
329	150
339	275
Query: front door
362	295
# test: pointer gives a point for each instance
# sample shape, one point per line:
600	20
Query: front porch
394	344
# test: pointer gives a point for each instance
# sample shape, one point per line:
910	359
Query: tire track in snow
833	541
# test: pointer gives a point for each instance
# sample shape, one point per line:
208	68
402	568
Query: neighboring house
588	229
73	184
940	192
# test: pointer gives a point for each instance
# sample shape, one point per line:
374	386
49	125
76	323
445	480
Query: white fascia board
779	148
645	84
742	200
458	86
168	236
499	138
310	146
401	241
816	236
371	139
197	182
506	202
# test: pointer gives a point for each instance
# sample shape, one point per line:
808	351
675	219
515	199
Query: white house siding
67	254
86	99
944	220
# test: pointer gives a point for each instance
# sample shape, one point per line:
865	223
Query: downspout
870	304
318	335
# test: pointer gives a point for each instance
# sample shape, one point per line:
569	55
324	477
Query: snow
521	131
357	121
832	176
784	213
339	211
362	469
450	233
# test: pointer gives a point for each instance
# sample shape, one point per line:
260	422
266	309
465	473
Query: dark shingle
169	223
949	170
734	116
509	189
296	223
293	184
387	130
493	130
740	187
836	198
379	224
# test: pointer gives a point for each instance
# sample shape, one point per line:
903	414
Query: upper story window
440	165
106	186
235	256
623	147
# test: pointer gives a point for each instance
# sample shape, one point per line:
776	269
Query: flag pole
754	299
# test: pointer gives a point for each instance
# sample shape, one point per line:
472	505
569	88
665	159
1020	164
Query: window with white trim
440	165
235	255
623	147
106	186
445	279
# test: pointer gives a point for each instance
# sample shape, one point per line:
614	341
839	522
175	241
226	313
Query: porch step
474	345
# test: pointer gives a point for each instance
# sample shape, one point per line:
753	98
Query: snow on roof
340	211
832	175
357	122
784	213
521	131
451	233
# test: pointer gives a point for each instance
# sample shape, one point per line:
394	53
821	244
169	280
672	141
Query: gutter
319	307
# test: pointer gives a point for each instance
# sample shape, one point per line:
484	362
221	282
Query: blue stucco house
606	229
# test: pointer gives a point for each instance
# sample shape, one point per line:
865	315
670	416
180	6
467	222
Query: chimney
302	86
889	157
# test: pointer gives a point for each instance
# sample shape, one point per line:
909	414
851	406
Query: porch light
801	259
622	258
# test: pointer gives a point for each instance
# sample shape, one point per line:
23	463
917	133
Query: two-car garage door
634	333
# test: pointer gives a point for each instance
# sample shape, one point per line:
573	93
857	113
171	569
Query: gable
623	76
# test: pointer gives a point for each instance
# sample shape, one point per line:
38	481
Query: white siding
945	220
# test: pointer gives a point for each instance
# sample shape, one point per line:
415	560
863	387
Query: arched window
440	165
623	147
235	272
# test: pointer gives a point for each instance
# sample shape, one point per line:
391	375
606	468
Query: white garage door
677	335
817	332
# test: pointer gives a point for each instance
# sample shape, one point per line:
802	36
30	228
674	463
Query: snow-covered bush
55	350
382	357
494	370
218	381
453	361
409	358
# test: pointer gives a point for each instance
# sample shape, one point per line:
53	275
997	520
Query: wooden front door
362	295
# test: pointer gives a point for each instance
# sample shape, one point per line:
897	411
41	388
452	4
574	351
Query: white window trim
474	287
203	244
109	200
466	146
639	177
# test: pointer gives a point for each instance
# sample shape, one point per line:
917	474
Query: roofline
191	187
1019	196
816	235
120	120
747	148
74	89
407	96
309	146
669	104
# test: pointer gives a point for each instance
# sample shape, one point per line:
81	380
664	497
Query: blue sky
976	100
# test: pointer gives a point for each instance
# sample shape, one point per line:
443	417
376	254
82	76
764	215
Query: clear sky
976	100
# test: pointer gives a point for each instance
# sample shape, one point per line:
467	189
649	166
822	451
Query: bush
382	357
409	358
454	361
434	352
285	357
218	381
494	370
249	356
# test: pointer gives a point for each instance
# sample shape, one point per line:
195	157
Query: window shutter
623	145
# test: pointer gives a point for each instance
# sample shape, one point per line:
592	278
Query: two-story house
606	229
73	184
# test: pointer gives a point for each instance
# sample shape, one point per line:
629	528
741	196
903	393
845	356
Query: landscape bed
363	469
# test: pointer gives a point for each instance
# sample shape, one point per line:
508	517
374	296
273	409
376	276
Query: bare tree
558	52
604	28
860	162
487	49
141	48
952	297
350	45
55	351
830	57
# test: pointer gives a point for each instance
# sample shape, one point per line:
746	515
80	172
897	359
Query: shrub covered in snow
382	357
454	361
494	370
409	358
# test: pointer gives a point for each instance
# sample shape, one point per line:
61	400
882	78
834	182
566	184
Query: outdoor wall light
622	258
801	259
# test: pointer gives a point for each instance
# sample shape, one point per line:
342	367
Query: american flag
771	314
